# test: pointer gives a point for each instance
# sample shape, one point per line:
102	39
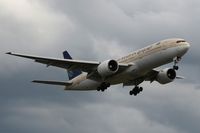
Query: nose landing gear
176	60
175	67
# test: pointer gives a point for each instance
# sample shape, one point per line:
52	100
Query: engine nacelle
166	76
107	68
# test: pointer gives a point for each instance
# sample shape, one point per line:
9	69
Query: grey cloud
166	19
73	120
112	112
197	87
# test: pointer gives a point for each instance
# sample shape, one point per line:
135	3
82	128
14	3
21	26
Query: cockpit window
179	41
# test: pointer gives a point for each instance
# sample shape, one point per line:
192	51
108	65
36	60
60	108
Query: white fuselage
141	62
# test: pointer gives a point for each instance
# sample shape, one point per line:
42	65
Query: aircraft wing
151	76
86	66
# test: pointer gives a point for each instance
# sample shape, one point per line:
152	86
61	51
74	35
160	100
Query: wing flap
62	83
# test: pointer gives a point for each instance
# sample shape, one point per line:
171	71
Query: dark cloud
197	87
95	30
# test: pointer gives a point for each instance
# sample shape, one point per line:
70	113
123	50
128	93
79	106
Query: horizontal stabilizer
63	83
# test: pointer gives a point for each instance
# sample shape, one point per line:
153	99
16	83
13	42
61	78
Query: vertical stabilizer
74	73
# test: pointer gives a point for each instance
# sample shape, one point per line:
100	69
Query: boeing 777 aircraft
130	70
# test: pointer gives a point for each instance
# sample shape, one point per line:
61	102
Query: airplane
130	70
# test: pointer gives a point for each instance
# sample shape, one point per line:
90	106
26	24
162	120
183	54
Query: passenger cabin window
179	41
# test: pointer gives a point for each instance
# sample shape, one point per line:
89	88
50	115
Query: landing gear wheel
136	91
131	92
141	89
176	60
102	89
103	86
175	67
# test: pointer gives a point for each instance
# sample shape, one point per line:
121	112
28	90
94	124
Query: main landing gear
136	90
103	86
176	60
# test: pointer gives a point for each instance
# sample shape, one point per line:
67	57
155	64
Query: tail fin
66	55
74	73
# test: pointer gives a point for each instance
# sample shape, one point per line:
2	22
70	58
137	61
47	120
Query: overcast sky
95	30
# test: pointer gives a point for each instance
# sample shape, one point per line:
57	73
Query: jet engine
166	76
107	68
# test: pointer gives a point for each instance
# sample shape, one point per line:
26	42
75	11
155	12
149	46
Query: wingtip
9	53
35	81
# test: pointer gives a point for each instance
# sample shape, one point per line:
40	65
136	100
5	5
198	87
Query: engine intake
166	76
107	68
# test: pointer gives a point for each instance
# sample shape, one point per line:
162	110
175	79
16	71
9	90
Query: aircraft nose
187	46
184	48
